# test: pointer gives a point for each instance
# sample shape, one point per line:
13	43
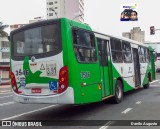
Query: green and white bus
64	62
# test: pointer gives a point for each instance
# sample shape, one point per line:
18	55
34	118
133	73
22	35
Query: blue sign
53	86
22	82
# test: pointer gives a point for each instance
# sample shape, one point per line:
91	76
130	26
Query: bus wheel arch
146	86
121	80
118	96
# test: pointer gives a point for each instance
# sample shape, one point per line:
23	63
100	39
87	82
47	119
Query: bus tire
150	77
118	92
146	86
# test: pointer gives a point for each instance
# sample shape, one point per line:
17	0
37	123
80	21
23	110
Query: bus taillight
63	79
13	83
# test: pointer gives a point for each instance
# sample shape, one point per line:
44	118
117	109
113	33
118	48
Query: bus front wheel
118	92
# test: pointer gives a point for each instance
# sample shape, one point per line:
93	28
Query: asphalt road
141	104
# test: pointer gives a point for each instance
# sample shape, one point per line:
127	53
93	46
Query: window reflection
84	46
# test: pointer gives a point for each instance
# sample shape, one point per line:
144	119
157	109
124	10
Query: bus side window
146	55
116	48
84	46
102	51
140	54
75	38
78	54
126	48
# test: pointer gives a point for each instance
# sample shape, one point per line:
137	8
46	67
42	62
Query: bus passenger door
104	69
136	67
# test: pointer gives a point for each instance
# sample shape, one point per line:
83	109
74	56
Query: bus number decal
85	75
22	72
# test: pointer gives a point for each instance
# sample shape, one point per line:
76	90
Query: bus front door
104	67
136	67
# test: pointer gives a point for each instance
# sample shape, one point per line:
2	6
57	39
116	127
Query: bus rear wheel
118	92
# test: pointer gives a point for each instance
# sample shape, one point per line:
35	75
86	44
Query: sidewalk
5	88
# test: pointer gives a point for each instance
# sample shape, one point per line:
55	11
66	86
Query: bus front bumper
66	97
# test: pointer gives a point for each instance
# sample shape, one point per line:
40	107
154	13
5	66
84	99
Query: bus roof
34	24
58	19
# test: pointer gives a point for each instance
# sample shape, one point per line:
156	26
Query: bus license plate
36	90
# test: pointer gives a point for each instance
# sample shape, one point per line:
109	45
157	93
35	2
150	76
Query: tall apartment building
65	8
135	34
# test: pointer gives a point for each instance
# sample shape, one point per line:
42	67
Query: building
127	35
135	34
72	9
4	60
16	26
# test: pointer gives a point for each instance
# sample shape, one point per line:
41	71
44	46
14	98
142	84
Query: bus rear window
36	41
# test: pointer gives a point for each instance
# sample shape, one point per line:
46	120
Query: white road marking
5	93
28	112
6	96
138	102
3	104
154	85
2	91
126	111
154	81
106	125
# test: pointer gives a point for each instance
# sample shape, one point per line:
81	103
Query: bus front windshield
36	40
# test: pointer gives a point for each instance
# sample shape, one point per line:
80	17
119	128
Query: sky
101	15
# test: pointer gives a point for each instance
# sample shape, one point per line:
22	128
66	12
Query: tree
2	32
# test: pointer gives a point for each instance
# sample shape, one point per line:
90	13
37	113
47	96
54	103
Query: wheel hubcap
118	92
